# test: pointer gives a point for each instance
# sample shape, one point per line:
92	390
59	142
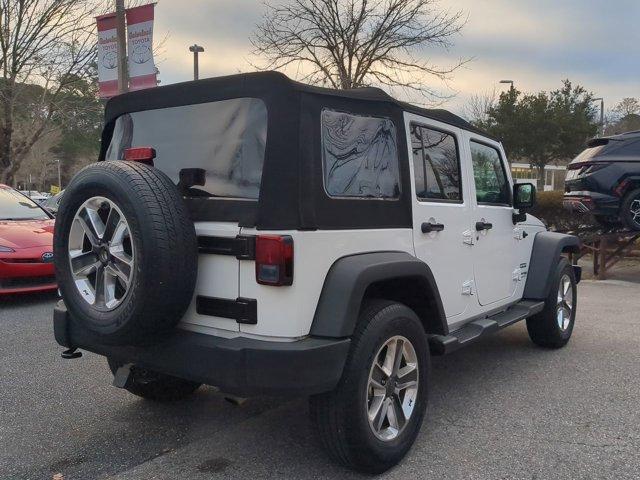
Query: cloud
536	43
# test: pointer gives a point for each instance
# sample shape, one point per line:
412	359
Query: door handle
428	227
480	226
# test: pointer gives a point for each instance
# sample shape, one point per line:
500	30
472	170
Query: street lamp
196	49
510	82
601	100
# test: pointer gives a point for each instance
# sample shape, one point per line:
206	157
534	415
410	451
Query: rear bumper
591	202
240	366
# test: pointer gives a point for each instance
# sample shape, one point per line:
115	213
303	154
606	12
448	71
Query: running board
476	329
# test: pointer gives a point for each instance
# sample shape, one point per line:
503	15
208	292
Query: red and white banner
107	55
142	69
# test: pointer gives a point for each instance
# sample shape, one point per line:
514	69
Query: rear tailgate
218	277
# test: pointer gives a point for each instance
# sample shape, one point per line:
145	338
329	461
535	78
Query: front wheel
370	421
552	328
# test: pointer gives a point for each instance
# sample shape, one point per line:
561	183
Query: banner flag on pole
107	55
142	69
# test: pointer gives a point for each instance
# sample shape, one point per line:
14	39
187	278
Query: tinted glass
212	149
360	156
436	164
492	186
15	206
613	148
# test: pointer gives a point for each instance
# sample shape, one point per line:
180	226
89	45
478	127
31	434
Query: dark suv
604	181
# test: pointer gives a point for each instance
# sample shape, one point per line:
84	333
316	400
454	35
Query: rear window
611	148
359	156
212	149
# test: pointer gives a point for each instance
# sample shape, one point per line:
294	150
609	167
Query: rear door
442	211
495	259
214	152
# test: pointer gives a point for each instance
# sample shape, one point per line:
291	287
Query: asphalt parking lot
499	409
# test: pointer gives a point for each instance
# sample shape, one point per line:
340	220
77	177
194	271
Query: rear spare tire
125	252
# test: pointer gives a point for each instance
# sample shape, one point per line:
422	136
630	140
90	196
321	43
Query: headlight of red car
4	249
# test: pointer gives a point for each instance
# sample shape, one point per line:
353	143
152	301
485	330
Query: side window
492	186
359	156
436	165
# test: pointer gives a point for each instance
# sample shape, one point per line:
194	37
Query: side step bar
476	329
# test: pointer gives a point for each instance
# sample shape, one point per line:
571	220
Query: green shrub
549	209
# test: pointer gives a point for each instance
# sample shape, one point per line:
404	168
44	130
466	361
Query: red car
26	245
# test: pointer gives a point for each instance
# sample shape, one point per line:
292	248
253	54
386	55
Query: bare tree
627	106
355	43
46	43
479	105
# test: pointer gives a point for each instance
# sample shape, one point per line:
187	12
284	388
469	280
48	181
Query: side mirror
524	196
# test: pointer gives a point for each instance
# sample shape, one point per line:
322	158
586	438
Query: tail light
622	188
274	260
140	154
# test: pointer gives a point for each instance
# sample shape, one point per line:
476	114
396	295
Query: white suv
268	237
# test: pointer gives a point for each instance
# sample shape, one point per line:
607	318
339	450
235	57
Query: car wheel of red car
126	252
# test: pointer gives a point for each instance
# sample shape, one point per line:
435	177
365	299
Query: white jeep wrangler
268	237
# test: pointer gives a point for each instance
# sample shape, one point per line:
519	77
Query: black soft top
292	194
191	92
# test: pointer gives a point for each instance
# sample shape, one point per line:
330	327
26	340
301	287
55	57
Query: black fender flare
547	249
348	279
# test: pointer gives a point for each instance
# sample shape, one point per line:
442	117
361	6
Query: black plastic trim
243	247
242	310
347	280
476	329
240	366
547	249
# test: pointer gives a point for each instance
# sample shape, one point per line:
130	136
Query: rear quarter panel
286	313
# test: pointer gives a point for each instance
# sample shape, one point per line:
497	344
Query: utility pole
601	100
59	176
123	77
196	49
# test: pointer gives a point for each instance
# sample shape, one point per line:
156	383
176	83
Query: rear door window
436	165
212	149
359	156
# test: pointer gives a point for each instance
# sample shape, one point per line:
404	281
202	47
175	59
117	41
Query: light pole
510	82
196	49
59	176
601	100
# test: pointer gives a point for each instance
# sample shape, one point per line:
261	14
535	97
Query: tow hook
71	354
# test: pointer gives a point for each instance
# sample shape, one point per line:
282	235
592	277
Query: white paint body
477	273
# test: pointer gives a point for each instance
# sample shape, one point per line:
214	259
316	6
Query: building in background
554	175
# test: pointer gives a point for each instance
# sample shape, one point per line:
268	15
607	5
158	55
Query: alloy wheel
101	253
392	389
635	211
565	302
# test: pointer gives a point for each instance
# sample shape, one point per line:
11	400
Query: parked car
53	202
36	196
26	245
604	181
269	237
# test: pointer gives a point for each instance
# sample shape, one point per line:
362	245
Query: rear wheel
370	421
552	328
125	251
155	386
630	211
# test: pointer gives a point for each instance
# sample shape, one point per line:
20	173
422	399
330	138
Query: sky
535	43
